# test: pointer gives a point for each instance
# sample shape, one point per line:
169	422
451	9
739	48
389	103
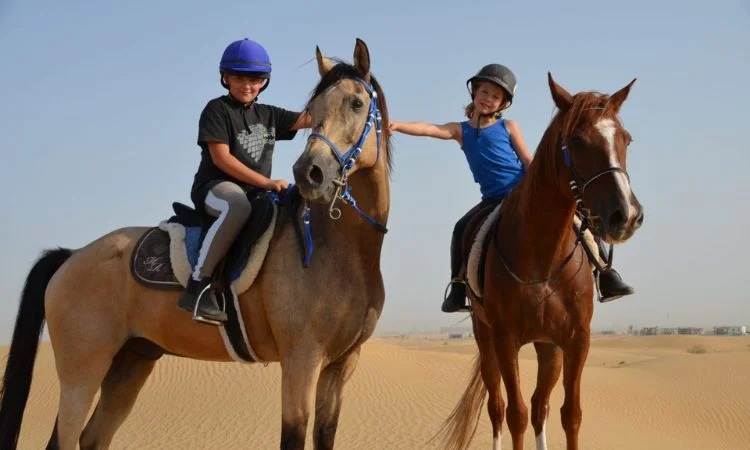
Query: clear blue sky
99	104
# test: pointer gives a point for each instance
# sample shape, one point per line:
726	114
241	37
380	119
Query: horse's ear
324	64
562	98
362	59
618	98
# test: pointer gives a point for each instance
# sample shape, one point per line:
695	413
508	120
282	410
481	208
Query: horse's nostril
616	219
639	220
315	175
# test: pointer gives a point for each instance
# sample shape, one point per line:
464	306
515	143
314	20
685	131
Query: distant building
689	330
668	331
448	330
649	331
730	331
460	335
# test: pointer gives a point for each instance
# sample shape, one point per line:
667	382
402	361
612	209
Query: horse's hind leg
549	358
575	352
120	389
85	336
492	381
80	374
329	397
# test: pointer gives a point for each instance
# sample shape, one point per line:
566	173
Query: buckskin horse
313	320
537	281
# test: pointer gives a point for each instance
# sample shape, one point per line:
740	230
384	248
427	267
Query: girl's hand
392	127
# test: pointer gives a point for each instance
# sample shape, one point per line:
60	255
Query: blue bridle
347	159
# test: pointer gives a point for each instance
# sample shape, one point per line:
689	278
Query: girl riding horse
498	159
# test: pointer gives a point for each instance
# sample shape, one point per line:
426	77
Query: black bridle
578	185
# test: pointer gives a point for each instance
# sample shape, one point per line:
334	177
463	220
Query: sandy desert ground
638	392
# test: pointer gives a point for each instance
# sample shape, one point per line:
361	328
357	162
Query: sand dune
638	392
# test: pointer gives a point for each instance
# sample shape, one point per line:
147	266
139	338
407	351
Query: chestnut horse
538	283
312	320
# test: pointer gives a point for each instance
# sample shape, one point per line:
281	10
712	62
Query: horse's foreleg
549	358
576	351
299	376
517	412
492	381
120	389
329	397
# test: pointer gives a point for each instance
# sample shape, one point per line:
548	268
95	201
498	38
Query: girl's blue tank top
492	160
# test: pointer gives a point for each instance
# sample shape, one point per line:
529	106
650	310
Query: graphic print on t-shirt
256	140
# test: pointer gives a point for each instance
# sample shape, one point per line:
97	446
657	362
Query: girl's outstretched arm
446	131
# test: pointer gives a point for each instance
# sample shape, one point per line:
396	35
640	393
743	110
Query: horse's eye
577	141
357	103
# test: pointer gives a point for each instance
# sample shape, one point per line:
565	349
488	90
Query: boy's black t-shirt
249	131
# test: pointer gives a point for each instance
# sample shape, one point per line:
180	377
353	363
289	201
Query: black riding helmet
496	74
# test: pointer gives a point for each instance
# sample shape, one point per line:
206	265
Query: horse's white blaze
541	438
496	442
608	129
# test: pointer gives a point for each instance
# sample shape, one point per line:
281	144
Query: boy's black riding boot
200	300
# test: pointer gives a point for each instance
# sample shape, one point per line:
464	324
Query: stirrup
450	283
200	319
467	302
599	297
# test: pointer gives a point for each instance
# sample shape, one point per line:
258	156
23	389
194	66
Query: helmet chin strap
492	114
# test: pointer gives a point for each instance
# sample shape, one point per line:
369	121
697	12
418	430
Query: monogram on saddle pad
165	256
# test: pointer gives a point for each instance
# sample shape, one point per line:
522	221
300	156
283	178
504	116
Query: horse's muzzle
618	221
314	175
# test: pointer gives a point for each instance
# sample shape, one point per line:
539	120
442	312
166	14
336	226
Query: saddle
165	255
164	258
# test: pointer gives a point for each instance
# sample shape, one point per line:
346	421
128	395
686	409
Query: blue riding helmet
246	57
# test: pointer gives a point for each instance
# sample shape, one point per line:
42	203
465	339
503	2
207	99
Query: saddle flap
472	229
263	210
475	245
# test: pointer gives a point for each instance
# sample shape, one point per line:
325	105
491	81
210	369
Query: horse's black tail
20	364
